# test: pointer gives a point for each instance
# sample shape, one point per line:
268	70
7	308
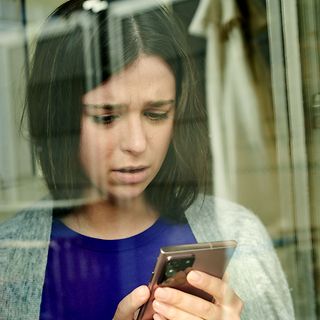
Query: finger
157	316
129	304
212	285
232	298
171	312
186	302
216	287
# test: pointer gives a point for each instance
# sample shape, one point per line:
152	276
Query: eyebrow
160	103
110	107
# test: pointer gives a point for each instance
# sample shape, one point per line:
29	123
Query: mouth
131	169
130	174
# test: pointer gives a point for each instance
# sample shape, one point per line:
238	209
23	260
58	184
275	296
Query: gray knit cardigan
254	270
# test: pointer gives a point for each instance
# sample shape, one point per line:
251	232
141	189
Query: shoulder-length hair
79	49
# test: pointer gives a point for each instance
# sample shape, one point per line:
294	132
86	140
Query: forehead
148	77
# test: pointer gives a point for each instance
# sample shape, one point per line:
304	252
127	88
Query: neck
112	219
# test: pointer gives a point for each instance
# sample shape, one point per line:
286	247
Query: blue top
87	277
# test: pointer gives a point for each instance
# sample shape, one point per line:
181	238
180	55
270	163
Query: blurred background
259	62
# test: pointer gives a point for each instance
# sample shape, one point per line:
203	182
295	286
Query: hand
174	304
130	304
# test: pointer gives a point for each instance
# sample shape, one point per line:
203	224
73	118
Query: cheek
95	148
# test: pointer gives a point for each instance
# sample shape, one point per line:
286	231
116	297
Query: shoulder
254	271
24	242
28	222
224	219
8	227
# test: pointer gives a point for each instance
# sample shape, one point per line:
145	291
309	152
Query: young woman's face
127	127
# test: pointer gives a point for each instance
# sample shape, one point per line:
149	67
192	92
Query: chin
125	193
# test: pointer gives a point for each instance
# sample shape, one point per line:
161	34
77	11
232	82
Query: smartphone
175	262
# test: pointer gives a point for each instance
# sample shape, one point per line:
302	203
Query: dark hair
59	78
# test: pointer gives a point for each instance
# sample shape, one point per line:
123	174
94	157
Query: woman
121	139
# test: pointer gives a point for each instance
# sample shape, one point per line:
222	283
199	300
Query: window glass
130	126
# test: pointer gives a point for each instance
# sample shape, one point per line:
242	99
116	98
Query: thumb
131	303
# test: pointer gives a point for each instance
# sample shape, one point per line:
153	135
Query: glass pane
130	126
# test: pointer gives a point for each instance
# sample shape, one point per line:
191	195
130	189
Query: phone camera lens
170	272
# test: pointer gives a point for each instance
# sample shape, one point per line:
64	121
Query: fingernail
158	306
156	317
161	294
194	276
141	292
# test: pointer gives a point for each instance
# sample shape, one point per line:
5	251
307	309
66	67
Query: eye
156	116
106	119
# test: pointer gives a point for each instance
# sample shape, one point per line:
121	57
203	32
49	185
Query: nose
134	138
